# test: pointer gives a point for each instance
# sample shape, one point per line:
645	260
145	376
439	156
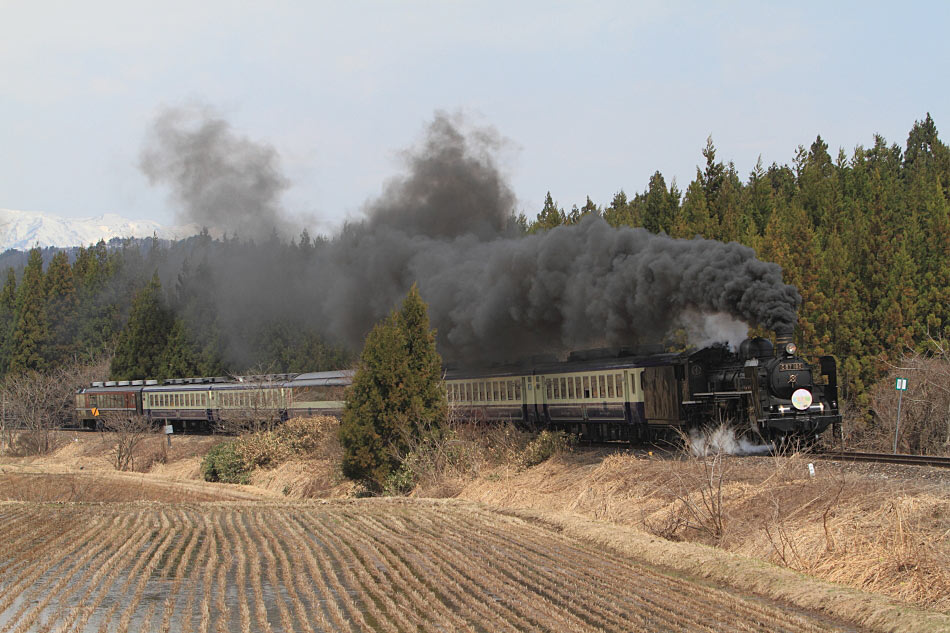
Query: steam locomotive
629	395
635	395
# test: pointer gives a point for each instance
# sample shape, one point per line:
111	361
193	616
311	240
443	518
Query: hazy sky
593	97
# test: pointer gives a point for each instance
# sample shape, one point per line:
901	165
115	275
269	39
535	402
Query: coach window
594	392
556	384
549	388
587	386
602	383
610	386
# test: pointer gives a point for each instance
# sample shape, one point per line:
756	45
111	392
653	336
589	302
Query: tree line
150	307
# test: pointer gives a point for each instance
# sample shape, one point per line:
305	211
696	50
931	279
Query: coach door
531	388
660	395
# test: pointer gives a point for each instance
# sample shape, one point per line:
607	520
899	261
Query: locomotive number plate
791	366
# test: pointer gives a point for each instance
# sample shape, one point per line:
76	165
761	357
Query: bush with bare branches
925	406
129	432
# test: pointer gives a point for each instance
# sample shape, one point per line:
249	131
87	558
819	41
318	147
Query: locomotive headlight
801	399
791	348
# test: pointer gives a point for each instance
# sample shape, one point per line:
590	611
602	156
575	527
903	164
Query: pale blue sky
593	97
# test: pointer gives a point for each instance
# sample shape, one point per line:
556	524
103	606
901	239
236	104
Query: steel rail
888	458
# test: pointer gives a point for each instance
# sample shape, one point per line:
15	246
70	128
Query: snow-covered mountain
23	230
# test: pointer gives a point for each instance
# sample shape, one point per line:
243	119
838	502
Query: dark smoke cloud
445	224
570	287
219	179
453	188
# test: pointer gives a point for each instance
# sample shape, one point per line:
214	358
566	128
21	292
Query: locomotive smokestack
784	337
784	334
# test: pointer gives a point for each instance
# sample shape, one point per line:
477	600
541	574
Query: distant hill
22	230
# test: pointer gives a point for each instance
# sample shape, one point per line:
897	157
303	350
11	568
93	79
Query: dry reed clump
442	464
885	536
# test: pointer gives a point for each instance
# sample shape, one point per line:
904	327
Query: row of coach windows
107	400
581	387
178	400
486	391
247	399
318	394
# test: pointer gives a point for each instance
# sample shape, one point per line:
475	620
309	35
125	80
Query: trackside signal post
901	387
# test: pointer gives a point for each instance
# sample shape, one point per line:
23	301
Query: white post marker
169	429
901	387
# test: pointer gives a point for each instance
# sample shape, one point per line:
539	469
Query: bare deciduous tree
37	403
129	432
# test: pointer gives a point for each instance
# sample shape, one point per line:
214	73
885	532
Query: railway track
888	458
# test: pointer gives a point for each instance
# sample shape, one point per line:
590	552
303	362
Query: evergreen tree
7	316
659	209
694	219
179	359
620	212
62	309
396	397
549	217
31	329
141	343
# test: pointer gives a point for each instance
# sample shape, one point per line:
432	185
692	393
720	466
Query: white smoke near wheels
722	440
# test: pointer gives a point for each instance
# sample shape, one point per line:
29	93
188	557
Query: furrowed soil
594	540
364	565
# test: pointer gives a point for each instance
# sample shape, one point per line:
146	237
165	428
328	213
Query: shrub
297	436
224	463
546	445
399	482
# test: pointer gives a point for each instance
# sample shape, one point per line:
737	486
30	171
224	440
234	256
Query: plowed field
370	565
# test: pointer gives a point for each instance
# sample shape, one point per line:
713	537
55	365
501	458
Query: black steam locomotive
762	389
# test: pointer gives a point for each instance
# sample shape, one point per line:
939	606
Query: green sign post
901	387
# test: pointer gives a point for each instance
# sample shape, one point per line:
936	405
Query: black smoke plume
220	180
446	224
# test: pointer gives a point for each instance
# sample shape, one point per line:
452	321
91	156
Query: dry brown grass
881	535
374	565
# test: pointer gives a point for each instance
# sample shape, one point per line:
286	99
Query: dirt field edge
874	611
